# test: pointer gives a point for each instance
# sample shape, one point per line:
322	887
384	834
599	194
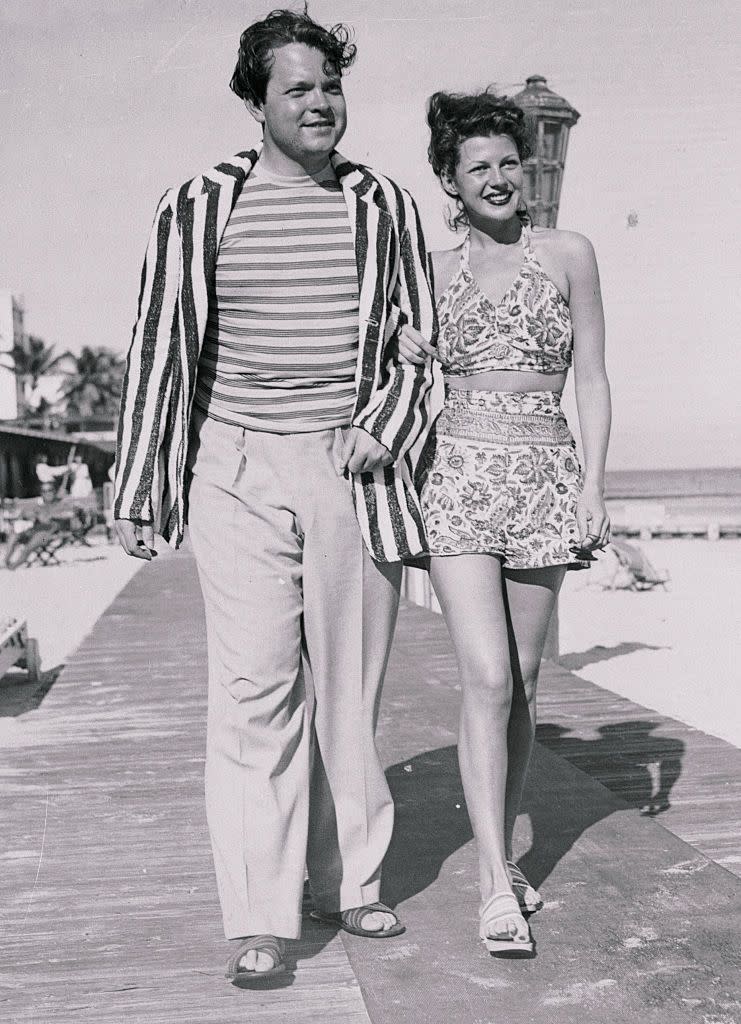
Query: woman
506	508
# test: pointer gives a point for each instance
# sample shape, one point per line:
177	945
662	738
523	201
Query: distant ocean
713	494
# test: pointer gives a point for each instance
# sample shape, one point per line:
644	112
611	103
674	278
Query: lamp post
551	118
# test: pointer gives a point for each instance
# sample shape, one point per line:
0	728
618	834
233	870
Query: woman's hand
413	348
592	520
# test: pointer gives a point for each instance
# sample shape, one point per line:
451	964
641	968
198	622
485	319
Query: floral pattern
529	329
514	500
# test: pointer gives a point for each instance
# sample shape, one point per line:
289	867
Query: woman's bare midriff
508	380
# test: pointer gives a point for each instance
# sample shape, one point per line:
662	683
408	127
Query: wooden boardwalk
108	907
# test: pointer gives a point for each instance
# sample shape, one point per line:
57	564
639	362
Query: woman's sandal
352	921
529	899
498	914
244	978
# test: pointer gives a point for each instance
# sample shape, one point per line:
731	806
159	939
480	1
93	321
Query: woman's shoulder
444	265
445	257
570	246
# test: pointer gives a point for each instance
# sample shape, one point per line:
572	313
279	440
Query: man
263	373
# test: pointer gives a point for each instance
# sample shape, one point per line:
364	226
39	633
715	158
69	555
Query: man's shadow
432	821
430	824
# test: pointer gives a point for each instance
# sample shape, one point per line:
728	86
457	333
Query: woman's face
488	178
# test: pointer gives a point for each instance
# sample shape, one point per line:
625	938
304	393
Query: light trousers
294	603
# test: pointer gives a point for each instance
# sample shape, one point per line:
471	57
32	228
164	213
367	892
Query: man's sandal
244	978
529	899
497	916
352	921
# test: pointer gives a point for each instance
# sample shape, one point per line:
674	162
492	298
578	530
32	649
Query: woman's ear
448	186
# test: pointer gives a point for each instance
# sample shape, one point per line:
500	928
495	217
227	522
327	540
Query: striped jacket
396	403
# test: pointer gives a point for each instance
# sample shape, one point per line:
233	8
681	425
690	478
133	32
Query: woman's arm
592	386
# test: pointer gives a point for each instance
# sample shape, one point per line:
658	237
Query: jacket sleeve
398	412
149	373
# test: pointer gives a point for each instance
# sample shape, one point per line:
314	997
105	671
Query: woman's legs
470	591
528	596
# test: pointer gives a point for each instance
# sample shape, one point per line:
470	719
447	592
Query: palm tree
31	362
92	385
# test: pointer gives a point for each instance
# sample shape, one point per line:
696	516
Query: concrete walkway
108	907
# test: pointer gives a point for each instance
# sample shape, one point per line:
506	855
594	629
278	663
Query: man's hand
414	348
137	539
361	453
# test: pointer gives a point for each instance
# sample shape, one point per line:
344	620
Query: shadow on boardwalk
638	766
432	821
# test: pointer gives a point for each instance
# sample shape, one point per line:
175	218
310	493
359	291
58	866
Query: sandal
244	978
529	899
352	920
497	915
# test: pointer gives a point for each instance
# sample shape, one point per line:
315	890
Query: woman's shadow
432	821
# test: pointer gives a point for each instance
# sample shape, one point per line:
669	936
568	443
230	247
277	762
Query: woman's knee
488	681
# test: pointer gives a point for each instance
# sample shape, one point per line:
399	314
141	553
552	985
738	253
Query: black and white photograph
370	512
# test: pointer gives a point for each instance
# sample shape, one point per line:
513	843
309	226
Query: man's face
304	114
48	493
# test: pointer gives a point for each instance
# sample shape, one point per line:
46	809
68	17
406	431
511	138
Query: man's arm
148	378
396	413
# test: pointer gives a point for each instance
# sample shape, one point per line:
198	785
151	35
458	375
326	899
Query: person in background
506	507
81	486
46	473
48	517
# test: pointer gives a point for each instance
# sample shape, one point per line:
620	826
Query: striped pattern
281	340
396	403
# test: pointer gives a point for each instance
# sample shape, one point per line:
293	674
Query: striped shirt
281	341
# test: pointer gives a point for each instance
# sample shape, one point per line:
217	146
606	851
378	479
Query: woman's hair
455	117
258	43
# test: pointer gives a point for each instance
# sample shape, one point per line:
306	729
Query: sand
676	651
63	602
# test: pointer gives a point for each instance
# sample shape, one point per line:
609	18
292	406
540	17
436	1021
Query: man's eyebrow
305	84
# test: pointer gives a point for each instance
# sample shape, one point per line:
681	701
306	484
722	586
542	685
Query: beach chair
17	648
70	525
634	570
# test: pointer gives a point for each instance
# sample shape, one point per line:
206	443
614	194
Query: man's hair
280	28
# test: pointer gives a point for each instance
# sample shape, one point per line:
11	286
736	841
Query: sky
105	104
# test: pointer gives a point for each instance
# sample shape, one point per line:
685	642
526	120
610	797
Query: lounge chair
67	522
634	571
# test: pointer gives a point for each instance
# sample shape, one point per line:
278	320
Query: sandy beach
676	651
62	603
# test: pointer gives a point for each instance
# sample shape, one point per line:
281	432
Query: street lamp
551	118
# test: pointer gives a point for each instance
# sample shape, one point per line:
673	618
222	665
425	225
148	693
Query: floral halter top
529	329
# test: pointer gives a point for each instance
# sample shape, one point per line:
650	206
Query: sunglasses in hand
585	554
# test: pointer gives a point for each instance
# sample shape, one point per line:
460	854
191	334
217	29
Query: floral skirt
501	477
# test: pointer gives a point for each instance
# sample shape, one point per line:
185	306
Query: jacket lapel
371	226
